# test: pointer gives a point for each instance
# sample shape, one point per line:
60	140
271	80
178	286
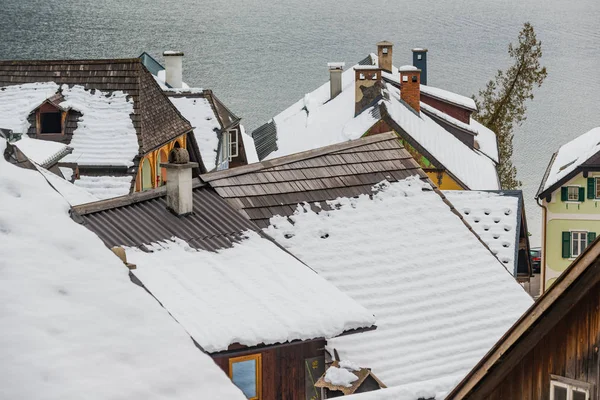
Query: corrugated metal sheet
265	139
213	224
276	187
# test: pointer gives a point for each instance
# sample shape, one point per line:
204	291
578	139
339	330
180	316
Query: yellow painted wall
153	161
447	183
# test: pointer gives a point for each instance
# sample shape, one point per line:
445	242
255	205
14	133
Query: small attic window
361	76
51	122
385	50
405	78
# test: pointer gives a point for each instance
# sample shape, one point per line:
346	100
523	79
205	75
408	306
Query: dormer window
51	122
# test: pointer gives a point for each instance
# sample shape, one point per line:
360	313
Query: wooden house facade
552	352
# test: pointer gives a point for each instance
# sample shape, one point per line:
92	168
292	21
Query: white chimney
174	68
335	78
179	181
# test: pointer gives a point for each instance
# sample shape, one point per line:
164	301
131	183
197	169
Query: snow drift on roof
206	124
105	134
488	144
18	101
105	187
250	294
73	194
474	169
249	146
72	322
451	97
572	155
41	152
437	312
494	218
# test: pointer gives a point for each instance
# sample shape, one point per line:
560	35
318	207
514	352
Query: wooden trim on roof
532	326
212	176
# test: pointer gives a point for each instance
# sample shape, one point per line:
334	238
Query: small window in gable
568	389
51	122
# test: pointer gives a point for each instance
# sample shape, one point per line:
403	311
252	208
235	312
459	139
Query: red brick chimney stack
410	86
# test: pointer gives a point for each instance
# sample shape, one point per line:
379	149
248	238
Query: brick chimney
179	184
367	81
174	68
384	55
335	78
420	61
410	86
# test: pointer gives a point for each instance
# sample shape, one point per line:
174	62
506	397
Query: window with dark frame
51	123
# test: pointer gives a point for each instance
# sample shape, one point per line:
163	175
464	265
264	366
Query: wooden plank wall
570	350
283	368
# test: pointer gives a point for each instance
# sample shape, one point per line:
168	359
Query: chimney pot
335	78
420	61
174	68
179	182
410	86
384	55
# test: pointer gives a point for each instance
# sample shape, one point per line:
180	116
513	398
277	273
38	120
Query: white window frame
576	188
361	76
572	386
233	145
582	236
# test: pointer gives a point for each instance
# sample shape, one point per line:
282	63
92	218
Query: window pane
574	244
577	395
597	188
560	393
573	193
51	122
244	377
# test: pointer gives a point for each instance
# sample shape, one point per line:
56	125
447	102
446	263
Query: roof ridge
299	156
72	61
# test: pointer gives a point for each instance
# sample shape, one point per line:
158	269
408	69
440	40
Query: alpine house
221	138
374	96
261	314
112	113
73	325
569	195
365	216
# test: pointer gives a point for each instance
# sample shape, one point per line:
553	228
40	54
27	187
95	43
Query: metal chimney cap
171	53
419	50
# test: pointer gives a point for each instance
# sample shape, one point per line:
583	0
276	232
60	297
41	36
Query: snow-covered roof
18	101
408	68
73	194
571	155
73	324
250	294
451	97
437	312
488	144
105	187
42	152
249	146
199	112
471	167
318	121
495	218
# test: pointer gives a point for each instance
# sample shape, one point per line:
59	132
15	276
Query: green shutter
591	237
564	193
591	188
581	194
566	245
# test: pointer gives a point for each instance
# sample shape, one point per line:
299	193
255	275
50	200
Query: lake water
261	56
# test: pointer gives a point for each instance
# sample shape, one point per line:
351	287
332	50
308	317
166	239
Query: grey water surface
261	56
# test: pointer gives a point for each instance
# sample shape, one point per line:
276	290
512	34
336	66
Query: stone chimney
420	61
174	68
410	86
384	55
179	182
368	86
335	78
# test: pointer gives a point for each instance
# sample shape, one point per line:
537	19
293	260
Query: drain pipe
543	247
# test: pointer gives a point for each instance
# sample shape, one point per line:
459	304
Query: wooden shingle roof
155	119
348	169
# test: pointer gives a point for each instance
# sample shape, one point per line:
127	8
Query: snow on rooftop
494	218
105	134
73	324
452	97
250	294
340	376
249	146
105	187
161	78
571	155
433	389
408	68
40	152
448	118
18	101
474	169
488	143
202	117
73	194
437	312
